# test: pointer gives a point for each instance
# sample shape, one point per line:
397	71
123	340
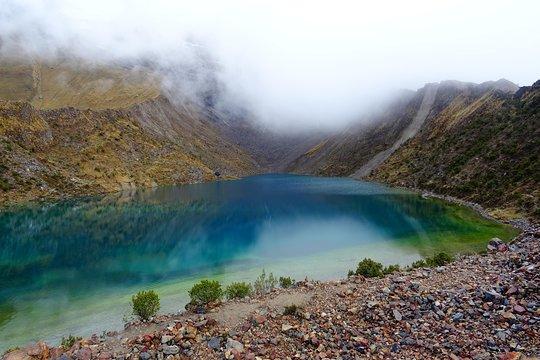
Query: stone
144	356
259	319
233	344
39	350
83	354
519	309
17	355
166	338
397	315
214	343
494	243
508	315
286	327
171	349
105	355
457	317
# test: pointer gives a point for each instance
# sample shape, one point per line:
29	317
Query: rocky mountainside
478	142
66	129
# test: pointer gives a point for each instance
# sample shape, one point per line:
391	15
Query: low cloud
293	63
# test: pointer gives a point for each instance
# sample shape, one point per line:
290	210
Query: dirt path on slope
409	132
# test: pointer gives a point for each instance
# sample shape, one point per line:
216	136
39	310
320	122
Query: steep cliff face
474	141
78	137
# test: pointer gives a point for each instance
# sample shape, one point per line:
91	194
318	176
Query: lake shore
480	306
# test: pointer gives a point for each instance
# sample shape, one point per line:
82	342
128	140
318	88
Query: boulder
171	350
233	344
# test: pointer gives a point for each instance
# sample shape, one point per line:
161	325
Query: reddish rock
83	354
40	351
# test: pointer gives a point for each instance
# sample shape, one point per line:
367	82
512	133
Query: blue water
70	267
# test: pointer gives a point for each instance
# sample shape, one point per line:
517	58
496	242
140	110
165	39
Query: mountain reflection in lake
71	266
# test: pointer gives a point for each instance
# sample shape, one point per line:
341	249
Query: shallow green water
71	267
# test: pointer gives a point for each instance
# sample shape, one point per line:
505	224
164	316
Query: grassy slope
73	129
483	150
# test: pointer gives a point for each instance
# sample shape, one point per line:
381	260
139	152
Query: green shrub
68	342
205	292
145	304
264	284
4	185
440	259
390	269
238	290
291	310
369	268
350	273
418	264
286	282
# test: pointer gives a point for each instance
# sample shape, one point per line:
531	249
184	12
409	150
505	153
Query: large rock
40	351
171	350
233	344
214	343
497	244
83	354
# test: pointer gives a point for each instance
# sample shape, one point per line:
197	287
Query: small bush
68	342
390	269
350	273
145	304
418	264
238	290
369	268
264	284
205	292
291	310
286	282
4	185
440	259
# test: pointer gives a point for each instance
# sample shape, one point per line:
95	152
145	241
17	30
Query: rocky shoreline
484	306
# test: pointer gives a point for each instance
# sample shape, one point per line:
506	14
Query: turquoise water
71	267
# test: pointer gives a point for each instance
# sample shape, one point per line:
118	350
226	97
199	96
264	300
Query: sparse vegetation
68	342
286	282
205	292
264	284
291	310
439	259
4	185
369	268
390	269
238	290
145	304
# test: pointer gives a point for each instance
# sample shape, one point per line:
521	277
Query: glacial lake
70	267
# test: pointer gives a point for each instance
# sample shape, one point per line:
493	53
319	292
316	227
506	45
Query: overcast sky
316	62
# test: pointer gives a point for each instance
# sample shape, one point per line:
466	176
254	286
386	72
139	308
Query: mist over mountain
293	65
